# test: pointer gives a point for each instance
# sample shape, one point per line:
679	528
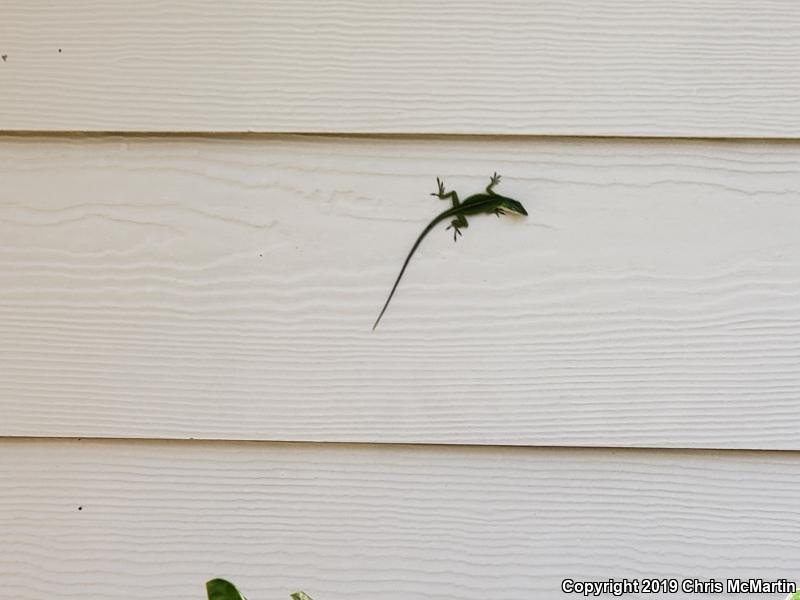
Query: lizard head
512	205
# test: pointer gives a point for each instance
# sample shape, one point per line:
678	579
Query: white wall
607	388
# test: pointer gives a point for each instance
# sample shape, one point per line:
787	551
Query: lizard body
486	203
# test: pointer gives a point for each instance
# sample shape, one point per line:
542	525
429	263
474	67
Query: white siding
225	288
120	519
597	67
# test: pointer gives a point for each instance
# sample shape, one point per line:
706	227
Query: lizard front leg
493	182
457	224
442	195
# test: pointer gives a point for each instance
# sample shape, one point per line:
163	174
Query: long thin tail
421	237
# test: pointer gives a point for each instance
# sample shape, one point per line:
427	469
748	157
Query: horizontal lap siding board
225	288
121	519
604	67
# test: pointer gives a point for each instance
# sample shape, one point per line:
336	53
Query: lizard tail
421	237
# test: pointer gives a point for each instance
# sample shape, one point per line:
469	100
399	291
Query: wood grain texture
224	288
600	67
119	520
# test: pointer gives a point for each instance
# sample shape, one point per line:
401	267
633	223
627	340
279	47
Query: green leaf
300	596
220	589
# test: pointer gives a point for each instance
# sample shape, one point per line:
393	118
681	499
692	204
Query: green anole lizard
488	203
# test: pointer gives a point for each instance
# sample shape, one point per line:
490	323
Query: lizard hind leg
457	224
